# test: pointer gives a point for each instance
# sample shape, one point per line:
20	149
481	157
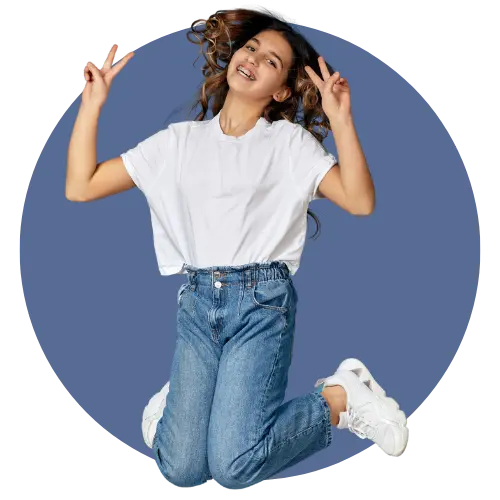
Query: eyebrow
271	52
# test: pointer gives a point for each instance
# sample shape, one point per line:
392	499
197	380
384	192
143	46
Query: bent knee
238	475
184	475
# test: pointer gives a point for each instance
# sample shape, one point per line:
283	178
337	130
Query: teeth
242	71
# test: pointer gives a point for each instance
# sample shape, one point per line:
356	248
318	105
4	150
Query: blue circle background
395	289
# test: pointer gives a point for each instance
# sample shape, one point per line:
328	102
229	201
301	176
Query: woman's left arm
354	173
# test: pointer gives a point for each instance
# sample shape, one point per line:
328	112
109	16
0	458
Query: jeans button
218	284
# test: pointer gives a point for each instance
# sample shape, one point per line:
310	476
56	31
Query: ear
282	95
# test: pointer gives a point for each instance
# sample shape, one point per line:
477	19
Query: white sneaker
356	366
152	414
370	413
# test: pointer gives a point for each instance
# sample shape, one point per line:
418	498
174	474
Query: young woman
229	201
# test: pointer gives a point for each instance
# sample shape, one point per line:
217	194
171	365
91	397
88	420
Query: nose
251	59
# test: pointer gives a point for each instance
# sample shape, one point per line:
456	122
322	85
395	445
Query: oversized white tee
219	200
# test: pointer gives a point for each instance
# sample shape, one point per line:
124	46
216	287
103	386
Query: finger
109	60
120	65
342	87
334	79
94	70
314	77
86	74
324	70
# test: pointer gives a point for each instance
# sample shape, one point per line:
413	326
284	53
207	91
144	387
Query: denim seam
273	370
323	421
327	418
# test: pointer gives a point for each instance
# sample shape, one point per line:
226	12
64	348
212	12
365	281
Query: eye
269	60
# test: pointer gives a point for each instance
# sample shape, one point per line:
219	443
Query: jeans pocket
180	292
275	294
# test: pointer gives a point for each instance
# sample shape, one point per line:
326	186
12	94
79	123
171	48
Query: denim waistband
248	274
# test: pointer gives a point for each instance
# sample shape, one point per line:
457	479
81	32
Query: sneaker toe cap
393	439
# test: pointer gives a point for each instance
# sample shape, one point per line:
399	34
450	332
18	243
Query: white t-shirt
219	200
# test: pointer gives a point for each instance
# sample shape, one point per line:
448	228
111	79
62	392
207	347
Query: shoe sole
153	412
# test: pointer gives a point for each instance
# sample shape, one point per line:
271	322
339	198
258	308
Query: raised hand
335	92
99	81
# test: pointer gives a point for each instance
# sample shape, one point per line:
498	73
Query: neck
238	116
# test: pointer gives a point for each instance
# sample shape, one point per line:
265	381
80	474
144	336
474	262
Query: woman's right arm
86	181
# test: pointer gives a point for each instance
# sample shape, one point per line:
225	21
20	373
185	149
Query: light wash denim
225	418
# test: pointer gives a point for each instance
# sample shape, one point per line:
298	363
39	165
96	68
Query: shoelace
359	425
356	422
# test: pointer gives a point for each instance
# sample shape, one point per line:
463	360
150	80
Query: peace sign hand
335	92
99	81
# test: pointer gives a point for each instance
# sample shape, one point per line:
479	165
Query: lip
247	68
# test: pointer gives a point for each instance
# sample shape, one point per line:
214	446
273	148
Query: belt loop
247	278
192	279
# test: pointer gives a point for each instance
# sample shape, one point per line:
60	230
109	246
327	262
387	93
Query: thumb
333	79
96	74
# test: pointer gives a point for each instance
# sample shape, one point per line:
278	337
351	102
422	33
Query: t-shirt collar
215	123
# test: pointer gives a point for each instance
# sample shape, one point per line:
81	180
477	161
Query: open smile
245	72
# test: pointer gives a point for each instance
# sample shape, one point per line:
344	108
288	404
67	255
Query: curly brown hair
224	33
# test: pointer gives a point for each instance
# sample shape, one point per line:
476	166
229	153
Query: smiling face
267	58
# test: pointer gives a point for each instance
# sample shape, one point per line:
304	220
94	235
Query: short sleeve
145	162
309	162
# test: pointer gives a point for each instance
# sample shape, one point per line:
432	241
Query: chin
235	83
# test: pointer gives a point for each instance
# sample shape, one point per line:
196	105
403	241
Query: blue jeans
225	418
